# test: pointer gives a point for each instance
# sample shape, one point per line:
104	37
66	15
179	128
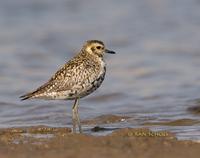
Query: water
154	78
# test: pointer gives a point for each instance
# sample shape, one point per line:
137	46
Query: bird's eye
98	47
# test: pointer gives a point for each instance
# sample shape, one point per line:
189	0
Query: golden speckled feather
74	79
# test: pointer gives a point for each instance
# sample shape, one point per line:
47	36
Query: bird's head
96	47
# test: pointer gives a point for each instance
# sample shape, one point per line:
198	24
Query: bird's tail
27	96
38	93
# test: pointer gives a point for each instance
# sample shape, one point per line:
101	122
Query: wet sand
48	142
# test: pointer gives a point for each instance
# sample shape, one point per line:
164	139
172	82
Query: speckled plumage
79	77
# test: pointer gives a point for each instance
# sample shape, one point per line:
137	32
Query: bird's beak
109	51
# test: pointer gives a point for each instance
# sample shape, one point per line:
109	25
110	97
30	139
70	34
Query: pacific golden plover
79	77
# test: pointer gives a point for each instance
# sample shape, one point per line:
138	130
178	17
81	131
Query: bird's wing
69	77
73	75
63	78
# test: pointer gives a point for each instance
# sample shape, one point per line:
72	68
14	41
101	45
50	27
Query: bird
77	78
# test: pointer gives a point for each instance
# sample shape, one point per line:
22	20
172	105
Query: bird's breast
95	81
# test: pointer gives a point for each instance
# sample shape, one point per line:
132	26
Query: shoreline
51	142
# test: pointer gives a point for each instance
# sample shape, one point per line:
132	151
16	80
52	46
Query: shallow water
154	78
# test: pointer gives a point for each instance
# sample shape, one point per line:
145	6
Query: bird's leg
75	116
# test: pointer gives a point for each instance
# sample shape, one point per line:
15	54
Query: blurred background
154	77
